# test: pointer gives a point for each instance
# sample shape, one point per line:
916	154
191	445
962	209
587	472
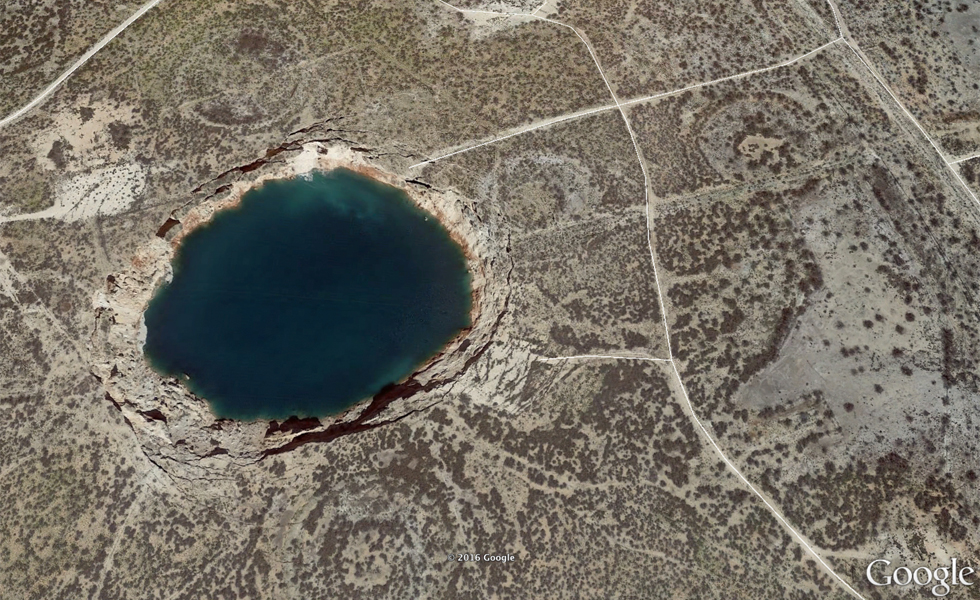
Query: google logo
944	577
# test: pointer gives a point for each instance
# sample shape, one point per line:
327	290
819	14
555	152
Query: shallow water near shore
312	294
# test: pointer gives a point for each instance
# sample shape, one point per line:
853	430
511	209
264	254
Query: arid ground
728	257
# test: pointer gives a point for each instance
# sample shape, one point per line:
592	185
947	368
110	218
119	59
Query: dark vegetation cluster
926	51
947	245
611	485
40	39
744	267
708	40
970	171
569	198
693	140
732	237
565	477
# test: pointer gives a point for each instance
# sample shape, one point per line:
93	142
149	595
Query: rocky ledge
177	428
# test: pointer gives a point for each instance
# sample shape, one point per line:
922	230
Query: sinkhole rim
218	407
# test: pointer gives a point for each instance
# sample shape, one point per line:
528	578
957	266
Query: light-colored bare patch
754	146
493	18
106	191
90	140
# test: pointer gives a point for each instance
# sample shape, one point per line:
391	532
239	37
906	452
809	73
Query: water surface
312	294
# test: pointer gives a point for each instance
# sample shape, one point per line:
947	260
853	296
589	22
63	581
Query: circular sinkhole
310	295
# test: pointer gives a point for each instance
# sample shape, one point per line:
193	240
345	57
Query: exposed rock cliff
176	429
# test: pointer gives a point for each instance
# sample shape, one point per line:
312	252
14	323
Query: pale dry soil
817	263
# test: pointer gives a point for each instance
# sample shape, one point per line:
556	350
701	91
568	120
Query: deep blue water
309	296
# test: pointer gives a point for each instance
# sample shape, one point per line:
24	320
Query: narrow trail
57	211
964	158
521	130
845	35
107	564
663	310
78	64
607	107
602	356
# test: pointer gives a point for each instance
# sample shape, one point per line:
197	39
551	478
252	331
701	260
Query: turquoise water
309	296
